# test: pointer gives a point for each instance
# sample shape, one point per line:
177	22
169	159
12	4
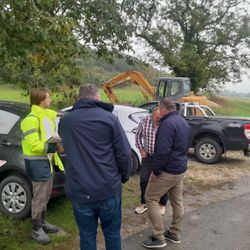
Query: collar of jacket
37	110
171	113
92	103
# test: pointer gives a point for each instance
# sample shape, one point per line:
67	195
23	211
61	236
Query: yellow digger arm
135	77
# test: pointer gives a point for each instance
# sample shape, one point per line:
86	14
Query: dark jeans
109	212
146	167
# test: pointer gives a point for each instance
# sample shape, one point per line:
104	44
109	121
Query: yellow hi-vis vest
37	127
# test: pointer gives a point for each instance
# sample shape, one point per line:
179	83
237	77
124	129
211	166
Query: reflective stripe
46	146
48	128
39	132
35	157
28	132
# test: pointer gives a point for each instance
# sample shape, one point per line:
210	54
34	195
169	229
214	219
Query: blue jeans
109	212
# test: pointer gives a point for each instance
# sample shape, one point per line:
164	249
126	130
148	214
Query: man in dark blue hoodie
169	167
98	161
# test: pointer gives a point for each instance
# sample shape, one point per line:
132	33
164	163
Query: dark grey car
15	188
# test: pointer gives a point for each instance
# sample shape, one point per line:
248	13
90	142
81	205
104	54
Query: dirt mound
212	104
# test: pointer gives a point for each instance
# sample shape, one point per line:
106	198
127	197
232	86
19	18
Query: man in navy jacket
98	161
169	167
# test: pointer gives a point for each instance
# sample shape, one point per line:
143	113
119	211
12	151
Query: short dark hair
88	91
38	95
168	104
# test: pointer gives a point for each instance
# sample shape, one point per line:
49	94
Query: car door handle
5	142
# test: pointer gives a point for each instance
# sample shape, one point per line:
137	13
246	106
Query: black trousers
146	167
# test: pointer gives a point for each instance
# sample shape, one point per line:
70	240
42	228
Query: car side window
7	121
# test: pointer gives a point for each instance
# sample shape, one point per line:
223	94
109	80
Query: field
15	234
232	106
11	93
128	95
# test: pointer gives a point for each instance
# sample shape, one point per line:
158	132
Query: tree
205	40
40	40
35	44
99	24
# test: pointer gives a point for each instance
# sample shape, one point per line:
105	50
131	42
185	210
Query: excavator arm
134	77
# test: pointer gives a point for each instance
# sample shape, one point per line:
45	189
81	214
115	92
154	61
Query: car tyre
15	196
208	150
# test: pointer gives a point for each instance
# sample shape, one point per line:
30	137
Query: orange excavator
177	88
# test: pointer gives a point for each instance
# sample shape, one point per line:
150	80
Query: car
129	118
15	188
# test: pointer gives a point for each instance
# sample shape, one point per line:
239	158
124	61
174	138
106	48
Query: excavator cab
173	87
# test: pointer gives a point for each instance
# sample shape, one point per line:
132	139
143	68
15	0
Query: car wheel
208	150
15	196
136	164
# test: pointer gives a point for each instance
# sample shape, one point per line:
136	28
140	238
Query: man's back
98	153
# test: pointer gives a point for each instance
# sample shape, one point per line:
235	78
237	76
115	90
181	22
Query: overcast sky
242	87
140	52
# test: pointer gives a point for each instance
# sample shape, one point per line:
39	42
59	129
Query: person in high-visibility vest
37	128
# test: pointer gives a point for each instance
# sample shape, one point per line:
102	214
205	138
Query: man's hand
156	173
143	153
59	148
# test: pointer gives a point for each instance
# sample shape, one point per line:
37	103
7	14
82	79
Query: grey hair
88	91
168	104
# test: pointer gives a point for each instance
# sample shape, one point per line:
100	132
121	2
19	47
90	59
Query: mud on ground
203	184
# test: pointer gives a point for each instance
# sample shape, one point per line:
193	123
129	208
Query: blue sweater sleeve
123	152
163	145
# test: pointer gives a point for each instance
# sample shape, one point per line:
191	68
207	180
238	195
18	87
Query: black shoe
153	242
40	236
38	233
49	228
171	237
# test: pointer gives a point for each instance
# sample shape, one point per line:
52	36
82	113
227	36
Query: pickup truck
212	135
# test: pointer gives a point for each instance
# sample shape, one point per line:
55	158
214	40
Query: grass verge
15	233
